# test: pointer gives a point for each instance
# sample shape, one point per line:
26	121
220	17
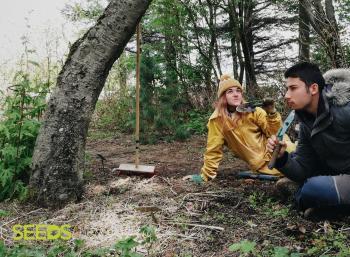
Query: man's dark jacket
324	142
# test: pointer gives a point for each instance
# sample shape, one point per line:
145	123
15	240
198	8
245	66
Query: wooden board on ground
138	169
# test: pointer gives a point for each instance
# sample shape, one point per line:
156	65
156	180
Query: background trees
186	46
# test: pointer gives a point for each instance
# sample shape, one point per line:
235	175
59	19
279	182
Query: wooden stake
138	64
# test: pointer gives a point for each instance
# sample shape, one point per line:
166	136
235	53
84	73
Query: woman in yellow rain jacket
245	134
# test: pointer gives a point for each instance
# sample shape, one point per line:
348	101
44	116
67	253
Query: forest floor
190	220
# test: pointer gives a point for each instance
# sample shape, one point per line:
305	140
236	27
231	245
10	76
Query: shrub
19	128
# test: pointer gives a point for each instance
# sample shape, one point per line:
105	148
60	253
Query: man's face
234	96
297	96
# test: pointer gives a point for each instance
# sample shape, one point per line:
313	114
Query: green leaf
244	246
149	234
127	244
2	248
4	213
6	177
9	152
280	252
4	130
56	250
79	243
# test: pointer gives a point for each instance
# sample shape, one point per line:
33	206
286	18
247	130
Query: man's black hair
307	72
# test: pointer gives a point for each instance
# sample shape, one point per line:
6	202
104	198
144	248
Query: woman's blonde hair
226	121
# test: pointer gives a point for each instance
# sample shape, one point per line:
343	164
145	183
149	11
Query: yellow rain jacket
247	141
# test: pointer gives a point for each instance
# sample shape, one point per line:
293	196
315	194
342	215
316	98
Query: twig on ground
197	225
170	185
204	205
323	254
209	193
164	242
192	213
189	237
343	229
239	202
24	215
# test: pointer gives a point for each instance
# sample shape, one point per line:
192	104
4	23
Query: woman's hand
269	105
196	178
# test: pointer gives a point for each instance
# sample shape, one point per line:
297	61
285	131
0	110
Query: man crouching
321	163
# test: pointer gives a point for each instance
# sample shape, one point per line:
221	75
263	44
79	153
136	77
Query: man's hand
269	105
271	144
196	178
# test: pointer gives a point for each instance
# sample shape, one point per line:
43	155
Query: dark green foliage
196	121
126	247
248	248
19	128
334	242
320	57
165	113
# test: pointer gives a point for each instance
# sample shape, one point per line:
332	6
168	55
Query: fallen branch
197	225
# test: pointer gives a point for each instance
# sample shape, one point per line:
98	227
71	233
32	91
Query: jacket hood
339	82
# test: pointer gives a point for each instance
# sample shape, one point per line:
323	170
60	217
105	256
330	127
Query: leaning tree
58	159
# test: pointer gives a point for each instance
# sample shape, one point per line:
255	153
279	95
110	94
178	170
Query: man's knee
318	192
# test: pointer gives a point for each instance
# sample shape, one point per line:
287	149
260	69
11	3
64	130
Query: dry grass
190	220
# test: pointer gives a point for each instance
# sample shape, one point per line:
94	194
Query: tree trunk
325	25
58	159
339	56
170	55
236	41
304	33
233	36
247	46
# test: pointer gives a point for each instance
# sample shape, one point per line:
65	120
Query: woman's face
234	96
